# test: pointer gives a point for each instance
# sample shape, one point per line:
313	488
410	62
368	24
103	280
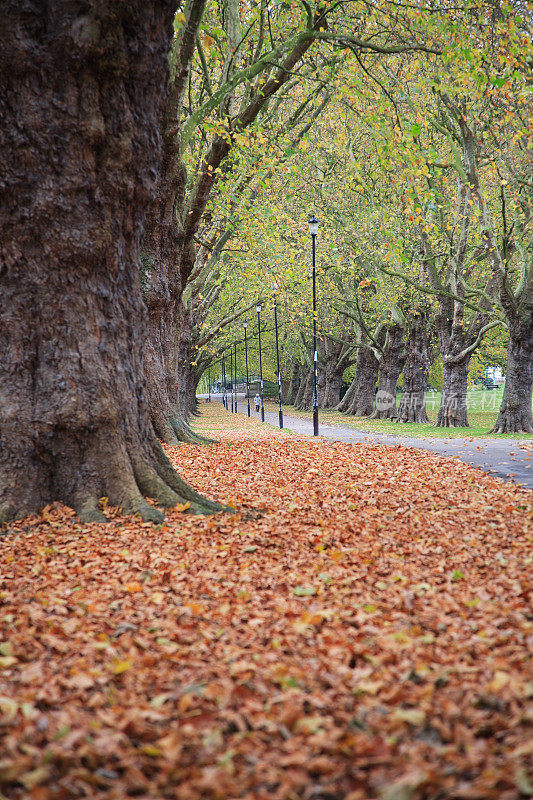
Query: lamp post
313	230
209	385
280	412
246	357
235	365
258	309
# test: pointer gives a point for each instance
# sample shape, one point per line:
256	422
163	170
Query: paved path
507	458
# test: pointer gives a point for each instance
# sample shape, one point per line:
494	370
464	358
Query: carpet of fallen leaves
358	629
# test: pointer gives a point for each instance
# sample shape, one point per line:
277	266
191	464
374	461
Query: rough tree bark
309	393
83	86
294	383
412	406
366	376
305	390
186	383
332	388
347	400
163	241
515	410
390	367
453	411
336	358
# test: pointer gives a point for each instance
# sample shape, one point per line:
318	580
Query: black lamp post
313	230
235	365
209	385
258	309
280	412
224	397
246	357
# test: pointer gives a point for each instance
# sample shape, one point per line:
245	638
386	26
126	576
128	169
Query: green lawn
483	408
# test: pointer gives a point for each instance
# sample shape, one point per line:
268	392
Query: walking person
257	401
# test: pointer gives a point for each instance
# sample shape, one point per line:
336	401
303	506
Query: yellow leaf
411	715
151	750
121	666
9	709
499	680
369	687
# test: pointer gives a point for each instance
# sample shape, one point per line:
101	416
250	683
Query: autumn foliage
357	629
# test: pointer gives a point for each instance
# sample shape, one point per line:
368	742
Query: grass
483	406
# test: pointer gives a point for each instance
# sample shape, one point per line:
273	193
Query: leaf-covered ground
359	629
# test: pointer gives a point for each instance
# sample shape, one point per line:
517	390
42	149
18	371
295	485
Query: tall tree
83	91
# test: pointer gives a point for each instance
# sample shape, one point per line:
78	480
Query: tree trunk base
360	410
509	422
171	429
515	411
412	408
452	411
418	416
452	415
124	474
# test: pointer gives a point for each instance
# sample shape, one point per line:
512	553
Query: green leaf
304	591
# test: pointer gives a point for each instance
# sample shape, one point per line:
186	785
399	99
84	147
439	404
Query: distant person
257	401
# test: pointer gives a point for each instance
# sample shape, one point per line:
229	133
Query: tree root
126	473
507	423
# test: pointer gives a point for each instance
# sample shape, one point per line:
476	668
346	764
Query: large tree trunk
389	371
306	403
515	411
294	383
452	411
412	406
162	245
168	392
347	400
163	409
332	391
321	380
186	385
306	377
335	358
79	152
366	376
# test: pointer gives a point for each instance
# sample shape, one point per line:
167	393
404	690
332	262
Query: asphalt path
510	459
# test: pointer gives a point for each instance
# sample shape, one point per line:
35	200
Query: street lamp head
258	308
313	225
245	324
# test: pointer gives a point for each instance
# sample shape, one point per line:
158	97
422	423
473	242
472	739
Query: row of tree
423	181
140	142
